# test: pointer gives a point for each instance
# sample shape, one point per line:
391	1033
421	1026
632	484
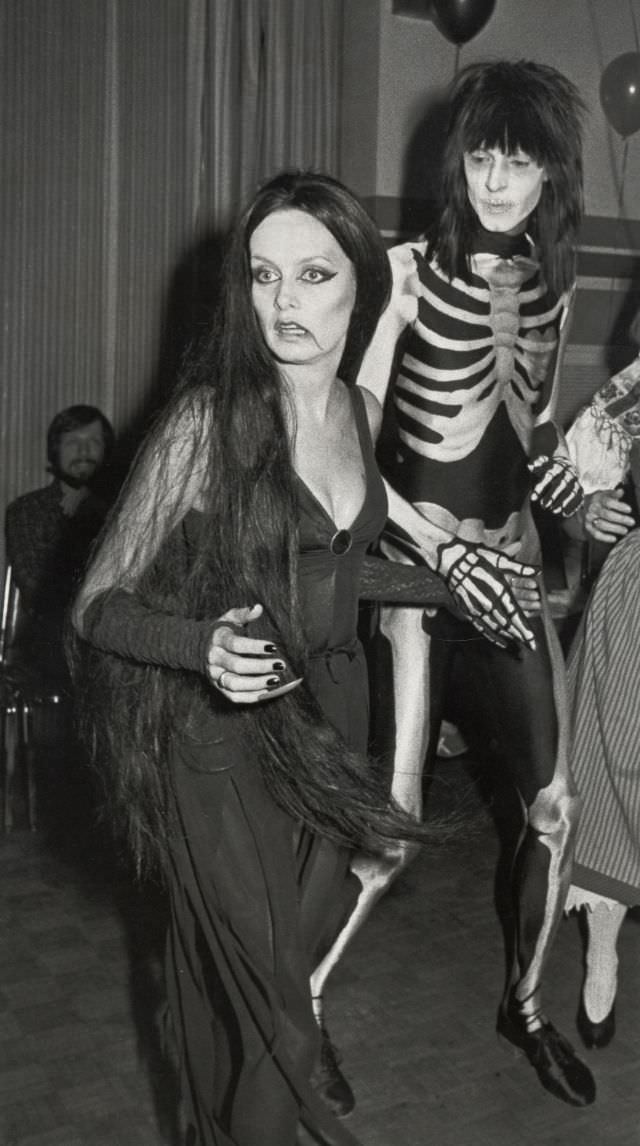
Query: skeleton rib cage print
476	374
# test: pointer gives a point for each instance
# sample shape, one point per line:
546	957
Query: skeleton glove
556	485
478	579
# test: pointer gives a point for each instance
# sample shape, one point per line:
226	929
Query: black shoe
552	1057
595	1036
328	1080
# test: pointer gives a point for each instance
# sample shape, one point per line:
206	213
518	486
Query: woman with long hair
222	685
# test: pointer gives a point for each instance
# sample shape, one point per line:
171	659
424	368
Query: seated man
49	533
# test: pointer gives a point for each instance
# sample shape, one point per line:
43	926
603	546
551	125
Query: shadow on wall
423	168
191	301
624	340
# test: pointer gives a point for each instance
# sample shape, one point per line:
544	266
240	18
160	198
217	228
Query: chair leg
30	766
10	745
29	757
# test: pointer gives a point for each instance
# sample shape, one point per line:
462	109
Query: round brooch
341	542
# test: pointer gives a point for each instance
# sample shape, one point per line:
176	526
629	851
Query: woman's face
303	288
503	189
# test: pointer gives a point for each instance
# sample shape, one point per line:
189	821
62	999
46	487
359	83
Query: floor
412	1006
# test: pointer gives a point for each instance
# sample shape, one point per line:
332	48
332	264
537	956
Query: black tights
523	695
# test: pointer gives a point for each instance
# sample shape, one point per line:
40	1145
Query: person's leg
238	973
416	707
328	895
603	917
526	693
601	979
596	1015
417	710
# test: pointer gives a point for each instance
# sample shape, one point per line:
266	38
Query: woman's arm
167	481
119	622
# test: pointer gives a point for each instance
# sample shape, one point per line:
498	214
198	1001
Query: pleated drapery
132	130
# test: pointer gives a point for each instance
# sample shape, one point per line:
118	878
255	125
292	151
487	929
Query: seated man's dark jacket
48	551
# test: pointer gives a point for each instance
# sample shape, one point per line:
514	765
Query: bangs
511	125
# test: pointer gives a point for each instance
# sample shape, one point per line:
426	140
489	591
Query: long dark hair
512	105
227	421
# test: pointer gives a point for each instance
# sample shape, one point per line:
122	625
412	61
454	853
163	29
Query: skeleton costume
474	398
474	401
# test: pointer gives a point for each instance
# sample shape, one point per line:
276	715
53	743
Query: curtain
132	130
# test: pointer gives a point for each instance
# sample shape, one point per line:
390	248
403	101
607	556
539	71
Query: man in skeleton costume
481	307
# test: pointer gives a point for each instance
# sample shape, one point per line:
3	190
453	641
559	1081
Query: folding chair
20	696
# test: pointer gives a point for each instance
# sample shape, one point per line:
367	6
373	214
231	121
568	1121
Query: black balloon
620	93
461	20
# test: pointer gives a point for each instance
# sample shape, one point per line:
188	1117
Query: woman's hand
245	669
526	589
606	516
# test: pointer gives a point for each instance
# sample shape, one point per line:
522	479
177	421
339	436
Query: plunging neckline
323	509
357	413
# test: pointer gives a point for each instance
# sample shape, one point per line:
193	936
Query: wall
401	67
131	132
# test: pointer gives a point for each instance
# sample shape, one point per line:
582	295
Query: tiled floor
412	1006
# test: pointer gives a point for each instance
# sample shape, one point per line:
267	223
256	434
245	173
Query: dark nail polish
270	649
278	666
273	682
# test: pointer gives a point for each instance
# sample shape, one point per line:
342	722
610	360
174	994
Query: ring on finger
220	682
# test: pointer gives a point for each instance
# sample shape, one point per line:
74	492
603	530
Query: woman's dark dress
254	898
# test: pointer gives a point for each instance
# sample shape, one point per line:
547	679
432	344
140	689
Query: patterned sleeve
598	450
118	622
383	580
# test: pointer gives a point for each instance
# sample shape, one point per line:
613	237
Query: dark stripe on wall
608	247
609	264
608	257
604	316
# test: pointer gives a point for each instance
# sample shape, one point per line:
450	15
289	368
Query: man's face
503	189
81	453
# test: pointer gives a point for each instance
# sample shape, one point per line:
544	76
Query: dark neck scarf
498	243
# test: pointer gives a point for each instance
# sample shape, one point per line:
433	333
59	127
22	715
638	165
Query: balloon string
623	173
456	66
635	26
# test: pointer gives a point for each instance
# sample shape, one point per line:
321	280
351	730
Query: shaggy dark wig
222	446
515	105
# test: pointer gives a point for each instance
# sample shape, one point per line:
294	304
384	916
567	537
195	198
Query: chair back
10	614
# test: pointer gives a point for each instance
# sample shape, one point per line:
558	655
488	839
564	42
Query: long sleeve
383	580
118	622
